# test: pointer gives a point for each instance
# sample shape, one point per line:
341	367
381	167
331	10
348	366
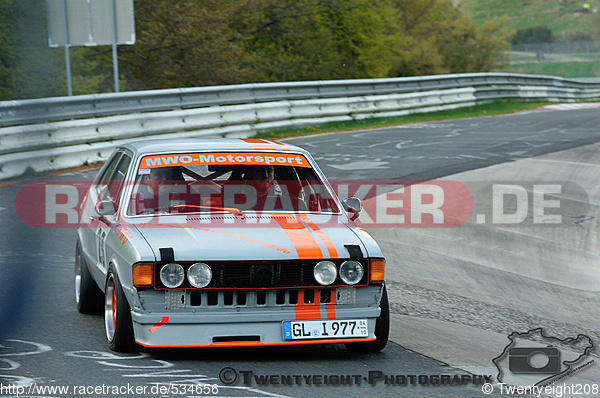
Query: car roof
208	144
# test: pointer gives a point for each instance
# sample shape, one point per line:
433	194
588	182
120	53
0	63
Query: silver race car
213	243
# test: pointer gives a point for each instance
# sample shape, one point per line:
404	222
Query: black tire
117	316
88	296
382	330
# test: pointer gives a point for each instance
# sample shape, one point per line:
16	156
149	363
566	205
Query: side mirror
105	208
354	205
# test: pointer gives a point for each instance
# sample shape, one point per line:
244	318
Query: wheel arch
122	270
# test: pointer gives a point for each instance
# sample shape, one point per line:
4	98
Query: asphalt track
452	308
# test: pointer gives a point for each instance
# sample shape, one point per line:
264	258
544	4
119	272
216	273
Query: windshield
228	182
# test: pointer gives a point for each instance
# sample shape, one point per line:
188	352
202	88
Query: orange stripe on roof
305	244
260	145
282	145
321	234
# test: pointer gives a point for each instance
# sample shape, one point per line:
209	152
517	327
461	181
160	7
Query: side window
318	198
108	169
112	181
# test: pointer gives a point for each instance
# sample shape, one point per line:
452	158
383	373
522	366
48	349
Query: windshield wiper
232	210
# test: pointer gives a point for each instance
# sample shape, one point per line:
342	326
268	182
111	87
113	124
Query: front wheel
117	316
382	330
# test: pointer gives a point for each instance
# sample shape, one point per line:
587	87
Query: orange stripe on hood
305	244
321	234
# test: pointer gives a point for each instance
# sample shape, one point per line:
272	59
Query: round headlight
325	272
199	275
351	272
172	275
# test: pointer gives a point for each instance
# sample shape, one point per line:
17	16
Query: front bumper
248	325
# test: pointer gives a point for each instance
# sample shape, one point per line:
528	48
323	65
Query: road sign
89	22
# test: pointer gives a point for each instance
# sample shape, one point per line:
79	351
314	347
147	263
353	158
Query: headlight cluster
198	275
351	272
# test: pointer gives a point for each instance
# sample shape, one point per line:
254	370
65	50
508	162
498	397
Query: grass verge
492	108
563	69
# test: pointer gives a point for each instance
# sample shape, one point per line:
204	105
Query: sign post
67	55
90	23
113	14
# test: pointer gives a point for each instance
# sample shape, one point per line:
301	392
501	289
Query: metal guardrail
64	108
54	133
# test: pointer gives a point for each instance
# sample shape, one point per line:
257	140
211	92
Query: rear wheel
382	330
117	316
88	295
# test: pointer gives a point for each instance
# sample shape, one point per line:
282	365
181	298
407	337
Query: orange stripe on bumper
330	310
258	343
307	311
163	321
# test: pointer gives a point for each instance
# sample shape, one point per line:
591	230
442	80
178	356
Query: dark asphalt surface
43	339
426	151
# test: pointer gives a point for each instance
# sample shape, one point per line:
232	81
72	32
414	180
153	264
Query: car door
108	191
88	234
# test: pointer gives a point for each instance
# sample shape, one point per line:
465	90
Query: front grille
261	298
244	275
263	274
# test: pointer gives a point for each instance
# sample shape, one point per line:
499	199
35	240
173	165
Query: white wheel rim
110	308
77	278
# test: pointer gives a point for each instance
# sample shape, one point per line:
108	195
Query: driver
164	174
153	184
256	189
262	178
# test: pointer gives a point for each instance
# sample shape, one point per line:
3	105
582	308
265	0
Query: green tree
316	39
189	43
40	69
30	69
443	40
181	44
474	49
538	34
8	73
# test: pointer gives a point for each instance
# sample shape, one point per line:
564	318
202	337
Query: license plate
326	329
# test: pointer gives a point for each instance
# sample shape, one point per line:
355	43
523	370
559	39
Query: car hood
266	237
